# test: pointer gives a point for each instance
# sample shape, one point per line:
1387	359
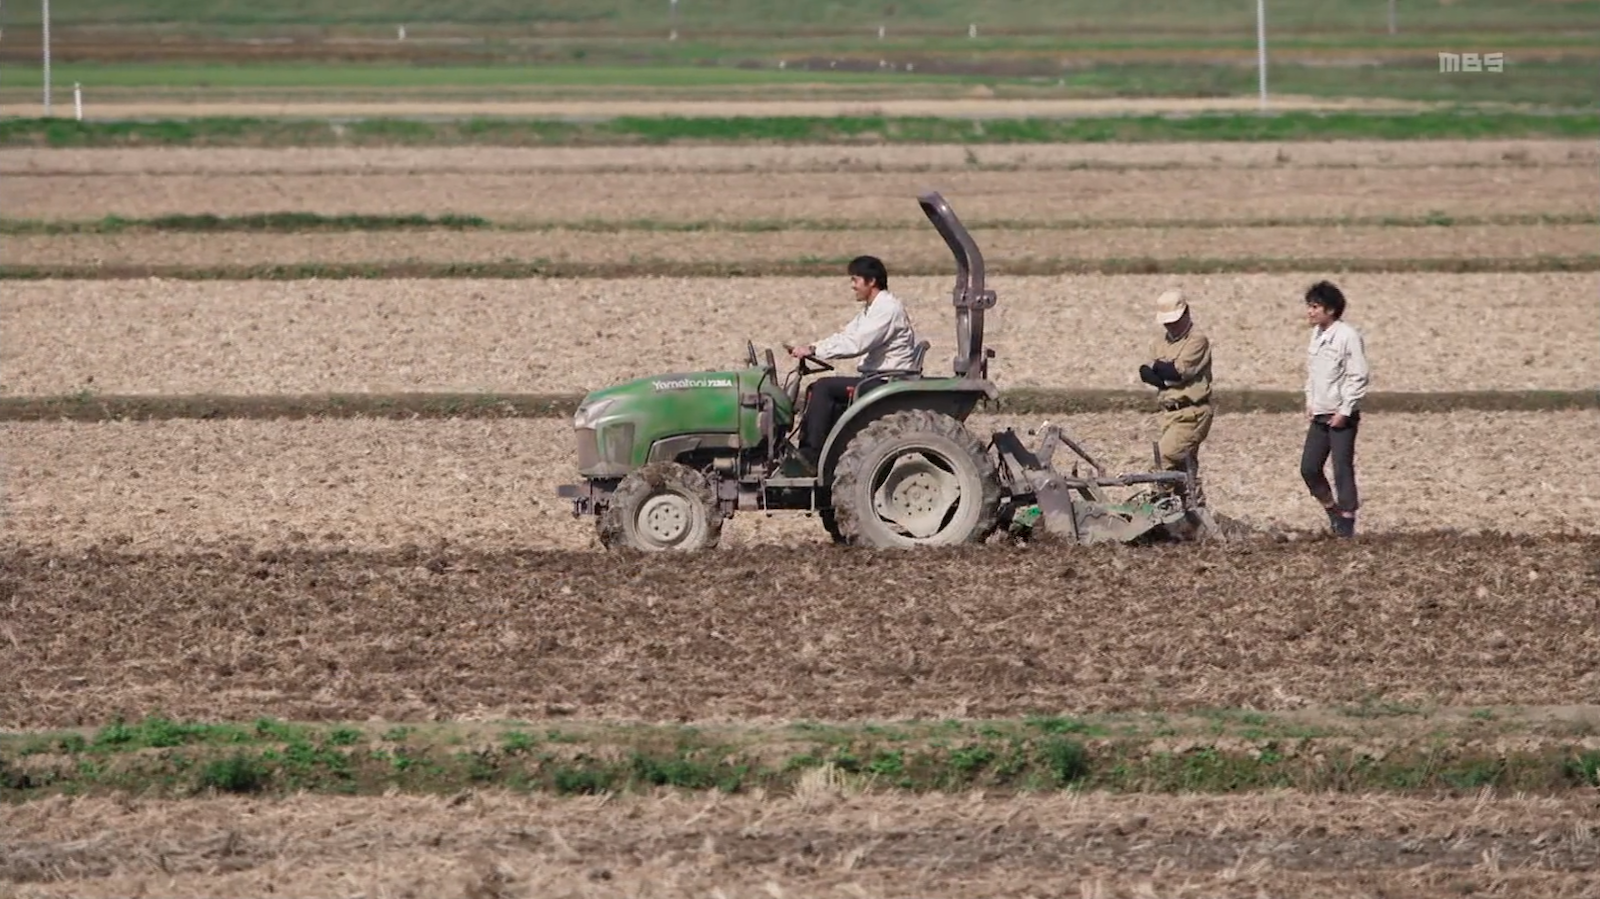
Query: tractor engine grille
588	450
608	453
616	444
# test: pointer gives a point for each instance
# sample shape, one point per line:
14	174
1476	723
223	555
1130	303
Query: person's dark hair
870	268
1329	297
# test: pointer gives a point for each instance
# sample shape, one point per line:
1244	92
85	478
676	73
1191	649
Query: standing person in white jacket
881	334
1337	375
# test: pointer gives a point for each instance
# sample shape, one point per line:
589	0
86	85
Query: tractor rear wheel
660	507
831	525
915	478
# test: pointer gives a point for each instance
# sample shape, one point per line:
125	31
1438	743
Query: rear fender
955	397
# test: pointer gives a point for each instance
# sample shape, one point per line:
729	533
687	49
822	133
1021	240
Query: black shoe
1343	526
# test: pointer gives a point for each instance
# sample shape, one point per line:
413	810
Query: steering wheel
820	365
750	353
791	381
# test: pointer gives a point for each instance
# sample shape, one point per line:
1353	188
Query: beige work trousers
1182	432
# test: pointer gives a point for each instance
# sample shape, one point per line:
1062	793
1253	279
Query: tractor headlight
589	414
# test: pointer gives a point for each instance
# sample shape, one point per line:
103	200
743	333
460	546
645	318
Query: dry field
1365	154
907	249
416	571
819	841
1424	332
788	633
1026	195
160	486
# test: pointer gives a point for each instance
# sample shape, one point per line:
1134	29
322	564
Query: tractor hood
619	427
656	390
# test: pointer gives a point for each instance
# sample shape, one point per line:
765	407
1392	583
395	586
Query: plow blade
1077	508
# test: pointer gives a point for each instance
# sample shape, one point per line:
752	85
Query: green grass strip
160	757
90	407
296	222
805	267
637	130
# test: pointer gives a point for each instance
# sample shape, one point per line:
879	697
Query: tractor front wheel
660	507
915	478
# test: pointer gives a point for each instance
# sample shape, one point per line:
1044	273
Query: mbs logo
1471	62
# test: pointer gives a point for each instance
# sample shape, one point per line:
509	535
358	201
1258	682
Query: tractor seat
884	376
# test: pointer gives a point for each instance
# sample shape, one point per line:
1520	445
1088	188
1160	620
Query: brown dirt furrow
818	841
405	160
794	633
1424	332
1155	195
492	483
907	248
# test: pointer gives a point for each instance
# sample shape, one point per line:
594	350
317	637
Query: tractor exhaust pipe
969	296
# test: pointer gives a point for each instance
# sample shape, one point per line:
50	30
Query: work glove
1166	371
1148	375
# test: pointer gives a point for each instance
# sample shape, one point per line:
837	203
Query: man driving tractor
881	334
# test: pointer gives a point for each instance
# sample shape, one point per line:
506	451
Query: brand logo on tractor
691	383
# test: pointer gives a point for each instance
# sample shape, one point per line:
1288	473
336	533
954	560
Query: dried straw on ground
1423	332
1019	195
825	838
1002	248
493	483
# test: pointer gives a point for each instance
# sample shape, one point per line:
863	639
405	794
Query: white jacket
1337	373
881	333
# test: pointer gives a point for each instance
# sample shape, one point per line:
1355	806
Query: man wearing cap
1180	371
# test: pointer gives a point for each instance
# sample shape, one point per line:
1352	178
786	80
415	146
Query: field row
609	108
919	250
978	120
1424	332
87	406
1022	195
824	840
492	483
440	632
1208	155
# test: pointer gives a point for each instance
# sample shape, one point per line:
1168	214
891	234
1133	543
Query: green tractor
666	459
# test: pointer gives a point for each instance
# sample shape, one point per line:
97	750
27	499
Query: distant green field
1091	48
796	129
335	76
767	16
1555	84
392	75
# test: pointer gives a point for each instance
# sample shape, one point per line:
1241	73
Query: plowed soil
820	841
1423	332
492	484
414	571
799	632
907	248
1145	195
516	160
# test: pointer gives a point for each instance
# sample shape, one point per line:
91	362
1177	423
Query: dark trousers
1340	443
828	399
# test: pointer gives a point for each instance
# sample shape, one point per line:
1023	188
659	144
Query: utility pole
1261	48
1391	16
45	10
